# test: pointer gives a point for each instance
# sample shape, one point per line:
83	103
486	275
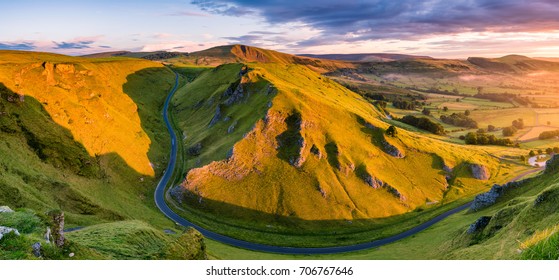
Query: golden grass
256	178
87	97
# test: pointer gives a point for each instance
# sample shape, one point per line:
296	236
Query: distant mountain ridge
366	57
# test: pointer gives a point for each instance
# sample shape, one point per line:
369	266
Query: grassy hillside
243	54
309	156
83	135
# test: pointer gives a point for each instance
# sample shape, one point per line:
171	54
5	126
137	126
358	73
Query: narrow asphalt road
162	205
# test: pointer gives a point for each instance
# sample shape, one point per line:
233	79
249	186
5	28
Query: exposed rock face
231	127
216	117
177	193
58	227
376	183
5	209
552	165
480	172
233	96
195	149
479	224
6	230
391	149
36	247
489	198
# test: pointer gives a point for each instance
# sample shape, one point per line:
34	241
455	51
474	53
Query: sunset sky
439	28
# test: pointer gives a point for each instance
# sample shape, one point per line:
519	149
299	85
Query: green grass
518	230
123	240
258	193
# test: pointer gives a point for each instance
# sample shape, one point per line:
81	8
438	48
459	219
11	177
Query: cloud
397	19
22	46
73	45
187	14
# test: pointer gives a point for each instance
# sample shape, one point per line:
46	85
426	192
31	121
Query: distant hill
158	55
513	64
365	57
245	54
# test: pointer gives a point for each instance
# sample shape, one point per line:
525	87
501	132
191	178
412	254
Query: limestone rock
391	149
6	230
57	227
480	172
36	247
195	149
489	198
552	165
6	209
479	224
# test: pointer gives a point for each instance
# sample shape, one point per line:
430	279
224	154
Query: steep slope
316	152
82	135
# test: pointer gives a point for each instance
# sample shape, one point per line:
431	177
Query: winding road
162	205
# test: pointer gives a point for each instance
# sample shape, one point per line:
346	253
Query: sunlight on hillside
86	97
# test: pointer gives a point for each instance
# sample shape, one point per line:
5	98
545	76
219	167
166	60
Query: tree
426	112
509	131
549	151
457	99
391	131
445	108
519	124
467	112
548	123
523	158
532	154
491	128
556	150
540	151
479	90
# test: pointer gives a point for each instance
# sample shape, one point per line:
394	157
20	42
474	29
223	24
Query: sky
438	28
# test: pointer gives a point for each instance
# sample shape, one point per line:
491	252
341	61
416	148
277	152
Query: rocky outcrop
479	224
376	183
177	193
489	198
57	232
552	165
6	209
231	127
195	149
216	117
233	94
480	172
6	230
36	248
391	149
393	191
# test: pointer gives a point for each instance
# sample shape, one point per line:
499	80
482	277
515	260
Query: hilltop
84	136
277	146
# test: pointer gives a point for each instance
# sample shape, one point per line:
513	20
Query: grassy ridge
82	135
299	168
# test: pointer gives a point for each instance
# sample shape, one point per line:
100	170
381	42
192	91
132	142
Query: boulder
479	224
6	209
36	247
480	172
6	230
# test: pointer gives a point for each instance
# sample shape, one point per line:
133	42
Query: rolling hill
84	136
275	145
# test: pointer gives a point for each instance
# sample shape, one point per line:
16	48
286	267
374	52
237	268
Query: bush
548	134
509	131
459	120
424	123
474	138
